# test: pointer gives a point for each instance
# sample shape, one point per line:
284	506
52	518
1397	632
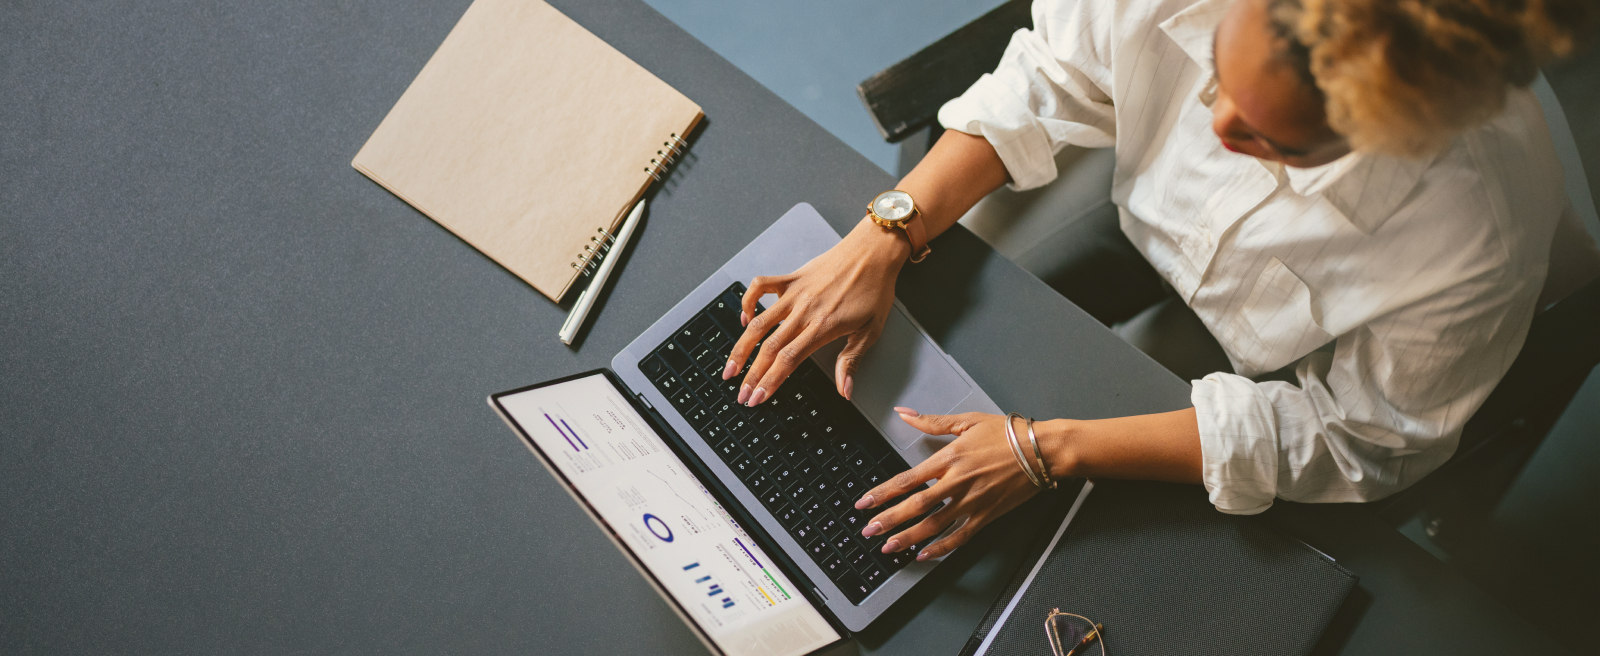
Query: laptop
743	518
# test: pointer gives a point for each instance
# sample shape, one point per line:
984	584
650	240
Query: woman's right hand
846	291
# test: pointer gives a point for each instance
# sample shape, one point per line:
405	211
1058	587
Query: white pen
580	310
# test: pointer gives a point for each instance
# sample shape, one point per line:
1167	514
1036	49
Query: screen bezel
697	469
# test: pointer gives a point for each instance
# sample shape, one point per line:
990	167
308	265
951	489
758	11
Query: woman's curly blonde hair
1404	77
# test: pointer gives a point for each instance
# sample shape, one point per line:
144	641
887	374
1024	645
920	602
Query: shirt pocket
1280	311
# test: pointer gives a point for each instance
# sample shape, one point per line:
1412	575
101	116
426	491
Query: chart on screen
694	547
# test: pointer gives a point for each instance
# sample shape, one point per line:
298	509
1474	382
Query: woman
1366	173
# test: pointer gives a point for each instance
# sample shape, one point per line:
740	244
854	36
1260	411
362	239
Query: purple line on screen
558	430
747	553
574	434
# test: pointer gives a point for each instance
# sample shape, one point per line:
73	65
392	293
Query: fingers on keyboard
805	453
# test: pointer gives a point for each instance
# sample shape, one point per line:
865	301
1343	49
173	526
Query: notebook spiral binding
601	243
664	158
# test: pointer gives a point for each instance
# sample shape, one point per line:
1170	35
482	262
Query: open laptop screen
654	506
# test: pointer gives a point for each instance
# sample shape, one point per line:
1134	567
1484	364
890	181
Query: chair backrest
1574	254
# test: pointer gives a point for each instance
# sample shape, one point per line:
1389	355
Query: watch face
892	205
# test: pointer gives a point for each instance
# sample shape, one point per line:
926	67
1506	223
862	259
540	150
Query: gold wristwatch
895	209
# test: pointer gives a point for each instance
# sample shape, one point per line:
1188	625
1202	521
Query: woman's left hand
977	472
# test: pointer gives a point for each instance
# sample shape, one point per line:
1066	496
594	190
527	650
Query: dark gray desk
243	386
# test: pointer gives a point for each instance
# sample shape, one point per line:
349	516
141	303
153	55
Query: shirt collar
1348	183
1193	27
1365	187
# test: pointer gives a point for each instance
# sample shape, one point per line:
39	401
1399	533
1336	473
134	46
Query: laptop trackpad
903	368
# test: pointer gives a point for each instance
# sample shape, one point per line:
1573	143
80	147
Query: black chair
1562	348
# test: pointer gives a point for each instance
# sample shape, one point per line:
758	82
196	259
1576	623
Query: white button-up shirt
1423	274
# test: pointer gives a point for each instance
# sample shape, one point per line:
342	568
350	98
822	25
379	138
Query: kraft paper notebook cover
529	138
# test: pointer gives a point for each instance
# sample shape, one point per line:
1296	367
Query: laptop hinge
645	401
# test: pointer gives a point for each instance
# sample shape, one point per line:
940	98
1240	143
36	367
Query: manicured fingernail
744	318
866	502
759	396
744	393
849	386
891	546
871	530
730	370
926	554
907	412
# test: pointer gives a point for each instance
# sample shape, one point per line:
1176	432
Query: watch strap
918	234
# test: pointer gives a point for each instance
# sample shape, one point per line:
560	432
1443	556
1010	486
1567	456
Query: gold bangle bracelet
1044	470
1016	450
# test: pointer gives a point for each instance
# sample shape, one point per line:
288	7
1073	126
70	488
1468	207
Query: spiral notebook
529	138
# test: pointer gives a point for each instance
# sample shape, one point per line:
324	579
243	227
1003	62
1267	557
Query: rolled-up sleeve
1048	91
1383	410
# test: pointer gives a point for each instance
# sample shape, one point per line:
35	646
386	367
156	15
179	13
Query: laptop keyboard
806	453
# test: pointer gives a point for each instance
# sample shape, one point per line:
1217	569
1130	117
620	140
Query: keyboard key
699	327
873	574
831	527
752	442
788	517
893	562
707	358
837	504
853	520
822	487
725	412
763	422
699	417
820	551
844	543
669	384
833	470
851	488
683	399
769	462
694	380
772	498
813	510
727	390
874	478
675	357
687	335
836	567
860	465
653	367
738	426
859	559
779	438
759	483
853	587
725	312
729	450
805	534
844	445
718	340
801	493
743	466
714	433
783	476
806	470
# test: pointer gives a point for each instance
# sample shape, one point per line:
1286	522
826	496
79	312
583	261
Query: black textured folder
1168	574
